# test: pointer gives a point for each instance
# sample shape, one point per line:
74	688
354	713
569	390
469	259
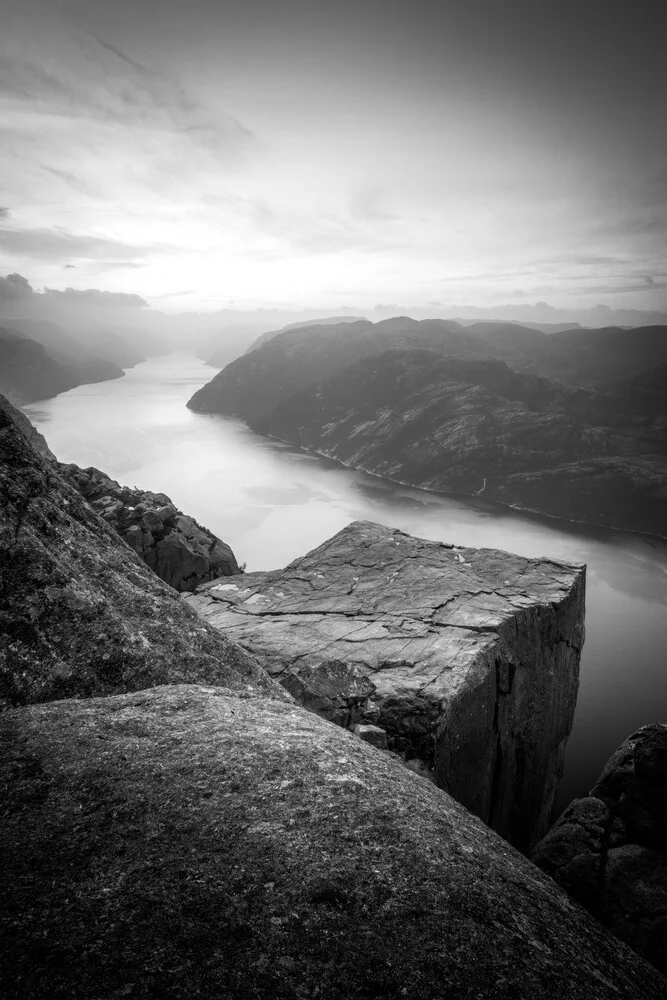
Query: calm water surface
272	503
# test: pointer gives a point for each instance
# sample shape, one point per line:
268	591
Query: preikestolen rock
176	547
467	658
180	843
609	850
80	613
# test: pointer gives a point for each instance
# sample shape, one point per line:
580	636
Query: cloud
94	297
54	244
4	212
14	287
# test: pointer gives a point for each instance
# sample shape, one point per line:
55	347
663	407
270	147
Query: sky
253	154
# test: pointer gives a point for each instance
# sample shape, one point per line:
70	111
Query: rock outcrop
179	842
609	851
80	613
175	546
36	440
468	659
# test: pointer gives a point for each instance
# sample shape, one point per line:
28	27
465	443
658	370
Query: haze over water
272	503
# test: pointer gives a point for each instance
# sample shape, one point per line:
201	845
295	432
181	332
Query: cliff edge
468	659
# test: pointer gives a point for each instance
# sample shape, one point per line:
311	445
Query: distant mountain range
572	424
39	359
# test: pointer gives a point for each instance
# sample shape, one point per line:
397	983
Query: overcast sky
272	152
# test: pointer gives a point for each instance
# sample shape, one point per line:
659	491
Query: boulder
80	613
609	850
176	547
180	842
467	658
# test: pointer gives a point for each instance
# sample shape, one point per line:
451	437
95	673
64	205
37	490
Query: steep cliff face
609	851
468	659
80	613
182	843
182	552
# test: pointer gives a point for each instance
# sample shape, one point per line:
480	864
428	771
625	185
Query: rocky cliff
205	841
609	851
80	613
468	659
180	843
182	552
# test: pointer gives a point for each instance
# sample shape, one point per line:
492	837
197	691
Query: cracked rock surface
181	843
80	613
467	658
609	850
175	546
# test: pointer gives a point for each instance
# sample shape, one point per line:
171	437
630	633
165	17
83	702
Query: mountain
455	419
251	386
306	324
28	371
586	357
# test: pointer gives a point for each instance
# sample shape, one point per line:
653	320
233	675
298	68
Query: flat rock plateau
468	659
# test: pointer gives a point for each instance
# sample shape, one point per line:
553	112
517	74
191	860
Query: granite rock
175	546
181	843
80	613
609	850
468	659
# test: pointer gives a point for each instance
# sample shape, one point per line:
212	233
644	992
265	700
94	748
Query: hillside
28	371
453	419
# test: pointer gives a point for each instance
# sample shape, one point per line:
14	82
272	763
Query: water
272	503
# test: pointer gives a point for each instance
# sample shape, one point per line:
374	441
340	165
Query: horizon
453	157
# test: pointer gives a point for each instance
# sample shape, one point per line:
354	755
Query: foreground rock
609	851
468	659
181	843
80	614
175	546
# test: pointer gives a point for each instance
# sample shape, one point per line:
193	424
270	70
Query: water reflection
273	503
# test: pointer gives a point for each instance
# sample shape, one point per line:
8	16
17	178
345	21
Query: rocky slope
80	613
182	843
438	412
468	659
609	851
478	427
175	546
